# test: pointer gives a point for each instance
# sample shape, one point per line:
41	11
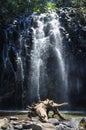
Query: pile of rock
13	123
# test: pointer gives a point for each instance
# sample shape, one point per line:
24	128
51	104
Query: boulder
14	122
39	126
32	126
4	123
64	127
46	126
26	126
13	118
18	127
82	123
53	121
73	123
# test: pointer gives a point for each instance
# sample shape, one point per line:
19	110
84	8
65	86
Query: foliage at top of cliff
10	9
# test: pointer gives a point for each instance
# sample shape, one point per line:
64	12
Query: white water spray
46	34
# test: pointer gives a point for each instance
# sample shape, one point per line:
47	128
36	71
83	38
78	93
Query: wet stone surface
35	124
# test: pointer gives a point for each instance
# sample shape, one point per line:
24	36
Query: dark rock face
74	38
14	89
12	92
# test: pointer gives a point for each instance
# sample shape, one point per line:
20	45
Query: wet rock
4	123
84	28
34	119
46	126
18	127
35	124
35	127
73	123
72	14
26	126
14	118
14	122
39	126
63	127
82	123
67	35
62	14
53	121
32	126
10	127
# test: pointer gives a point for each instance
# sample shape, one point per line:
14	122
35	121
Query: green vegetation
73	3
50	6
78	3
10	9
80	14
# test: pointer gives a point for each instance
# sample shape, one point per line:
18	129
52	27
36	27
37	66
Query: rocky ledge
74	22
13	123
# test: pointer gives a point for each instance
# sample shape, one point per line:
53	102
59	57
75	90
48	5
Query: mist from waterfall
45	35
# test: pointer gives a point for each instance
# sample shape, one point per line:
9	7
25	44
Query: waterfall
38	56
46	34
34	60
39	59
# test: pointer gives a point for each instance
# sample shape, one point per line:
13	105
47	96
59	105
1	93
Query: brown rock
14	118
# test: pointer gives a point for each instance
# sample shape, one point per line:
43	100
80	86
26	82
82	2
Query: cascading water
46	34
38	56
34	65
58	47
36	60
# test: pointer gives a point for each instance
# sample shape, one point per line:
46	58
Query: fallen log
42	108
